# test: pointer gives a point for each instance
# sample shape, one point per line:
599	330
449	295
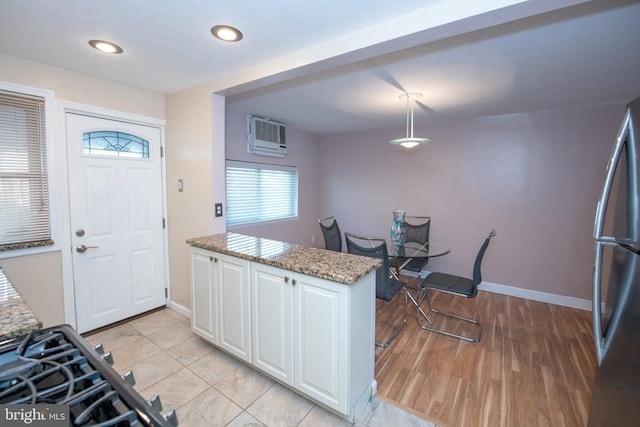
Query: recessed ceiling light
226	33
106	47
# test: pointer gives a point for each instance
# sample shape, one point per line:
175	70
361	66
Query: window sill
27	245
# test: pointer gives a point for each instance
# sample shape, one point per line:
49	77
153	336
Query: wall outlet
313	238
218	209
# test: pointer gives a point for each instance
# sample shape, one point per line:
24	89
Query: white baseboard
582	304
579	303
179	308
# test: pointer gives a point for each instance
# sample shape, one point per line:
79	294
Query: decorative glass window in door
115	144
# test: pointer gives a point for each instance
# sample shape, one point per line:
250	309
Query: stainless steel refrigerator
615	399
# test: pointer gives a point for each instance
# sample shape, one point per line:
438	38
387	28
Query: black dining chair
455	285
416	230
387	286
331	233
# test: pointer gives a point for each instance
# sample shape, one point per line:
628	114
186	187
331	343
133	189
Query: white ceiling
330	66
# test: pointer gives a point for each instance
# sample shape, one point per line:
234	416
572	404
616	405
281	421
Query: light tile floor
208	388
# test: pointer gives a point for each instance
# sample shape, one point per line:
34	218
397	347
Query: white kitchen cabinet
315	335
321	333
234	306
272	320
312	334
203	295
222	301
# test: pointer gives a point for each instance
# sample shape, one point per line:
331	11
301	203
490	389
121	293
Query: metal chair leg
399	328
425	292
418	307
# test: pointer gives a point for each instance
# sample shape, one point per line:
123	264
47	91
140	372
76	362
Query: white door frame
64	218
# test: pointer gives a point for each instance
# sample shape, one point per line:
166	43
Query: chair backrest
477	266
331	233
374	248
417	228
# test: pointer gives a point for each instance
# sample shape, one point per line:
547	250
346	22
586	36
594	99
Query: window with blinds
24	194
259	192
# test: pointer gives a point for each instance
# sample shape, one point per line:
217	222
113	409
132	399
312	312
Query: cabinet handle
293	282
210	258
214	259
286	279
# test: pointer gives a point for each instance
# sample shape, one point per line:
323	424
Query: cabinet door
203	296
272	321
234	306
321	331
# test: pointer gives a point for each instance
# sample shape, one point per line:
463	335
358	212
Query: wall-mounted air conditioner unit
266	137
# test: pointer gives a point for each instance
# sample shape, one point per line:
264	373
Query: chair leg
425	292
399	328
418	307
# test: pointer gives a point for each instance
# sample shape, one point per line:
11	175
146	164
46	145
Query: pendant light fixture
410	141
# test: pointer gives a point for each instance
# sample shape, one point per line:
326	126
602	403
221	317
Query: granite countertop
336	266
16	318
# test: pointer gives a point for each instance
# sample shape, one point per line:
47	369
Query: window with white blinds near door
24	193
259	192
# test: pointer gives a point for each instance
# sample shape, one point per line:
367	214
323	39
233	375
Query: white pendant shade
409	141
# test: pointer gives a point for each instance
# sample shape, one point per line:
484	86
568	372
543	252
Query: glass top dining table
431	249
410	250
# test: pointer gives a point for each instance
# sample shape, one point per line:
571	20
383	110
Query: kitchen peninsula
303	316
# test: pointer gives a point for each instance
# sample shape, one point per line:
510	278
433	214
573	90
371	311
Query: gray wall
302	152
535	178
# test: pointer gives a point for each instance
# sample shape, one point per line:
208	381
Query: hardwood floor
534	365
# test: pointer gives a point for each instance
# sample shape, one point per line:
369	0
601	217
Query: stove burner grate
57	366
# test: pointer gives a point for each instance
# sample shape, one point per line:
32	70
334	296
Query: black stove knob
128	378
108	357
99	349
171	417
155	403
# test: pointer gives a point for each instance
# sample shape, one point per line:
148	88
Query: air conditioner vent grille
266	137
270	131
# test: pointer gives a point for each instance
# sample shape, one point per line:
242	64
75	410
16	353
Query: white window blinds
24	195
258	192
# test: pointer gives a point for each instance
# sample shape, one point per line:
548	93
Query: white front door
115	196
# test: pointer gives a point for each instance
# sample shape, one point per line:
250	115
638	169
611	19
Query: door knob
82	248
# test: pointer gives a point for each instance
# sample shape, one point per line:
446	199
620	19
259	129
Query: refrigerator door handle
596	302
601	208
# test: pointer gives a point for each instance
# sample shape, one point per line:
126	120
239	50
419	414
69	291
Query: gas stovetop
57	366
